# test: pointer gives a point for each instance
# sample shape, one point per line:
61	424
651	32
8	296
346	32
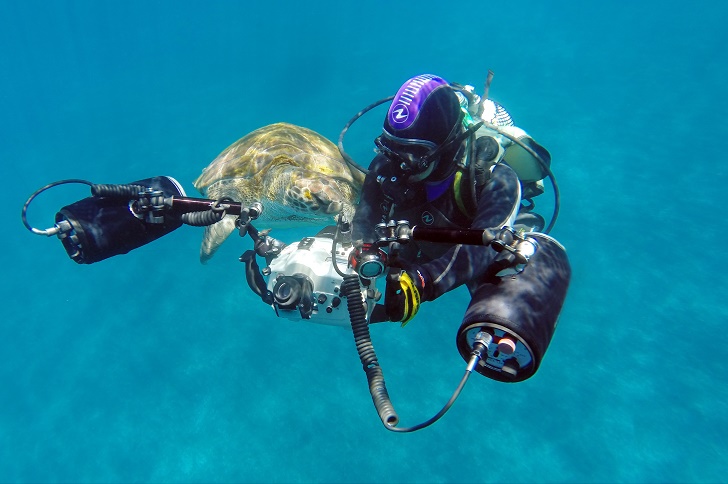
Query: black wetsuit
449	266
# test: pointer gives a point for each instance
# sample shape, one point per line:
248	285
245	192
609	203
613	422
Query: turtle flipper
215	235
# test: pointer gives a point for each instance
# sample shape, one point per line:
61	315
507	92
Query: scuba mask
411	155
418	157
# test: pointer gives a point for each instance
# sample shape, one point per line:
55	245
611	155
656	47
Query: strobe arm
401	232
517	247
182	205
456	236
151	203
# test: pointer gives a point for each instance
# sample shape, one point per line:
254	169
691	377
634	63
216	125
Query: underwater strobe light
117	219
114	220
515	315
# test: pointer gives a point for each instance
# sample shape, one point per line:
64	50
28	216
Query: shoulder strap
470	179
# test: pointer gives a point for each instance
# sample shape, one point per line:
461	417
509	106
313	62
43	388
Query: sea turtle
298	175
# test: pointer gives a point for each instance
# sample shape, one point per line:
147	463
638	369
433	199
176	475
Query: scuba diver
437	164
448	161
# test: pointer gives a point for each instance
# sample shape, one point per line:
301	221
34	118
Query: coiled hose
357	313
212	216
201	219
195	219
375	376
117	191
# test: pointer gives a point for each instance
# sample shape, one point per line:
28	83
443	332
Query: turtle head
321	195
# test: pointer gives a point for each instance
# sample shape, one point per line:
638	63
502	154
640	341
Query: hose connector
480	346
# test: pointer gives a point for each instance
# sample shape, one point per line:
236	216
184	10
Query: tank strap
458	187
470	178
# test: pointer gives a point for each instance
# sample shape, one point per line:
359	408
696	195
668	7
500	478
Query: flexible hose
200	219
117	191
24	216
544	166
439	414
348	159
557	197
377	388
362	339
212	216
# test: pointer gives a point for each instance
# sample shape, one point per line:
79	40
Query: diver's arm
369	211
497	206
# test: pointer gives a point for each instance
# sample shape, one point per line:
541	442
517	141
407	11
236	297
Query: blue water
153	368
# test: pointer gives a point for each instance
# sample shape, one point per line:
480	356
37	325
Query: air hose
375	377
357	313
348	159
351	290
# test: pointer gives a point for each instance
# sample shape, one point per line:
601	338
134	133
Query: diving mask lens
411	155
417	155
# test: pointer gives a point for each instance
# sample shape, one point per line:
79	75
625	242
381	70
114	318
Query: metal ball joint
393	231
150	202
520	247
255	210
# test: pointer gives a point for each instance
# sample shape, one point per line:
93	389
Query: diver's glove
407	287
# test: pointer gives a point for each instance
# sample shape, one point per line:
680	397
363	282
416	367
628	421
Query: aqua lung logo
408	101
427	218
400	113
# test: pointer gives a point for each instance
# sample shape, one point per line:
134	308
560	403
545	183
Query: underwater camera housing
301	281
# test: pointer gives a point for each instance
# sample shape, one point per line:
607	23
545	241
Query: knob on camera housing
305	285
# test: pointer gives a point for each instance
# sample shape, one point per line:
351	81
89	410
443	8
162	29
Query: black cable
439	414
375	377
202	219
38	192
544	166
349	160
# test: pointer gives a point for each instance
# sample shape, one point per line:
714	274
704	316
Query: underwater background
151	367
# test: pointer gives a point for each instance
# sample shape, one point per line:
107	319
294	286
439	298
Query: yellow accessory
457	188
411	297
